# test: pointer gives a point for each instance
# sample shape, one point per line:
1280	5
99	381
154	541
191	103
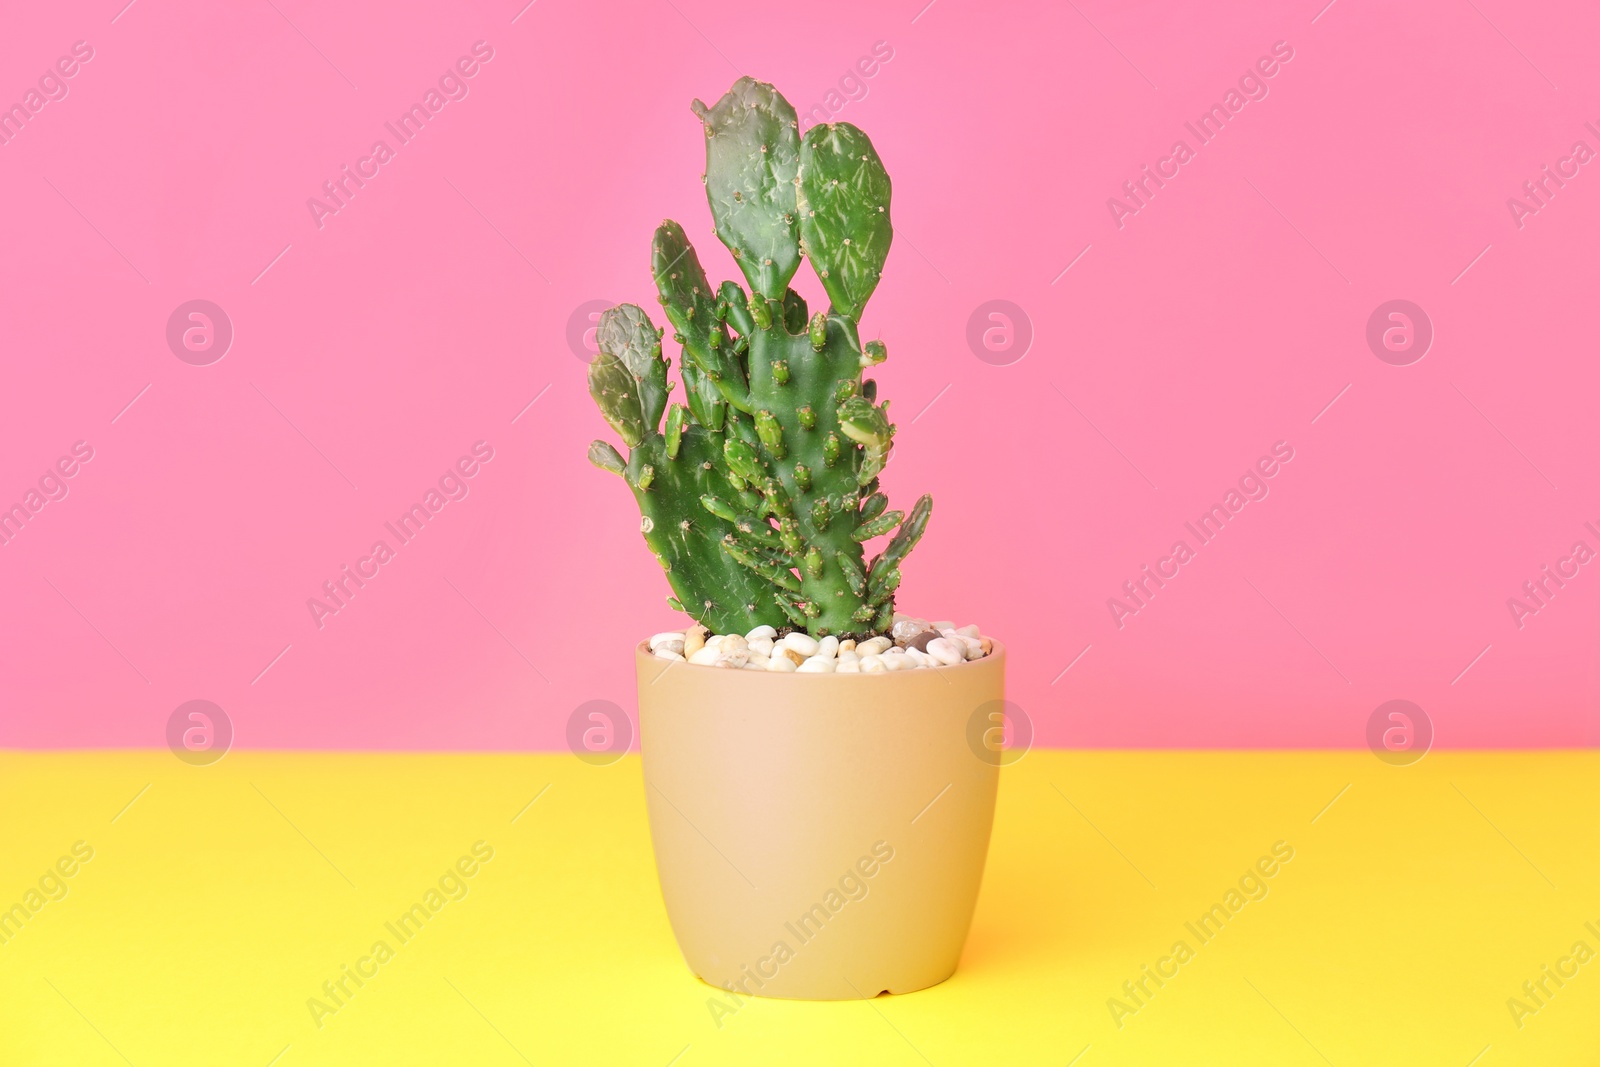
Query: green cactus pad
616	393
752	158
844	213
691	306
627	333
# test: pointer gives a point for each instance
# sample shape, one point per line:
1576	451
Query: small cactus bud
830	450
647	474
814	562
821	514
808	417
778	499
771	433
879	526
802	477
792	613
852	573
606	457
789	534
742	460
874	353
674	430
819	331
760	312
718	507
885	588
846	389
780	371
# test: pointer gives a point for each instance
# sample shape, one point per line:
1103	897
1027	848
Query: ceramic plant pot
820	836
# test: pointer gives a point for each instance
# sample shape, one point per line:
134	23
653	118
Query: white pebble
921	659
874	646
946	652
762	645
873	665
671	639
753	664
781	664
849	666
737	658
706	656
969	631
804	644
961	641
667	653
761	633
848	655
828	647
942	624
898	663
847	645
714	641
817	665
974	651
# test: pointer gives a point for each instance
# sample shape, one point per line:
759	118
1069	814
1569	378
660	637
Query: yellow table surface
220	899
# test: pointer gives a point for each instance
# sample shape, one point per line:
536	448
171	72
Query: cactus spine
762	493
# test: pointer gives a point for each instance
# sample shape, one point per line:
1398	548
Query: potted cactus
820	837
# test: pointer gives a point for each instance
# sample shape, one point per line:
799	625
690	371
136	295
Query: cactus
762	492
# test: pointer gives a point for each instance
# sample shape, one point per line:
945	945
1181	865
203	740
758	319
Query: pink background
425	316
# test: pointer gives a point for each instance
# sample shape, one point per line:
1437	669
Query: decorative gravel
911	643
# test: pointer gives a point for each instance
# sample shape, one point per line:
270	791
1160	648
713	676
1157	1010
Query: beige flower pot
820	836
